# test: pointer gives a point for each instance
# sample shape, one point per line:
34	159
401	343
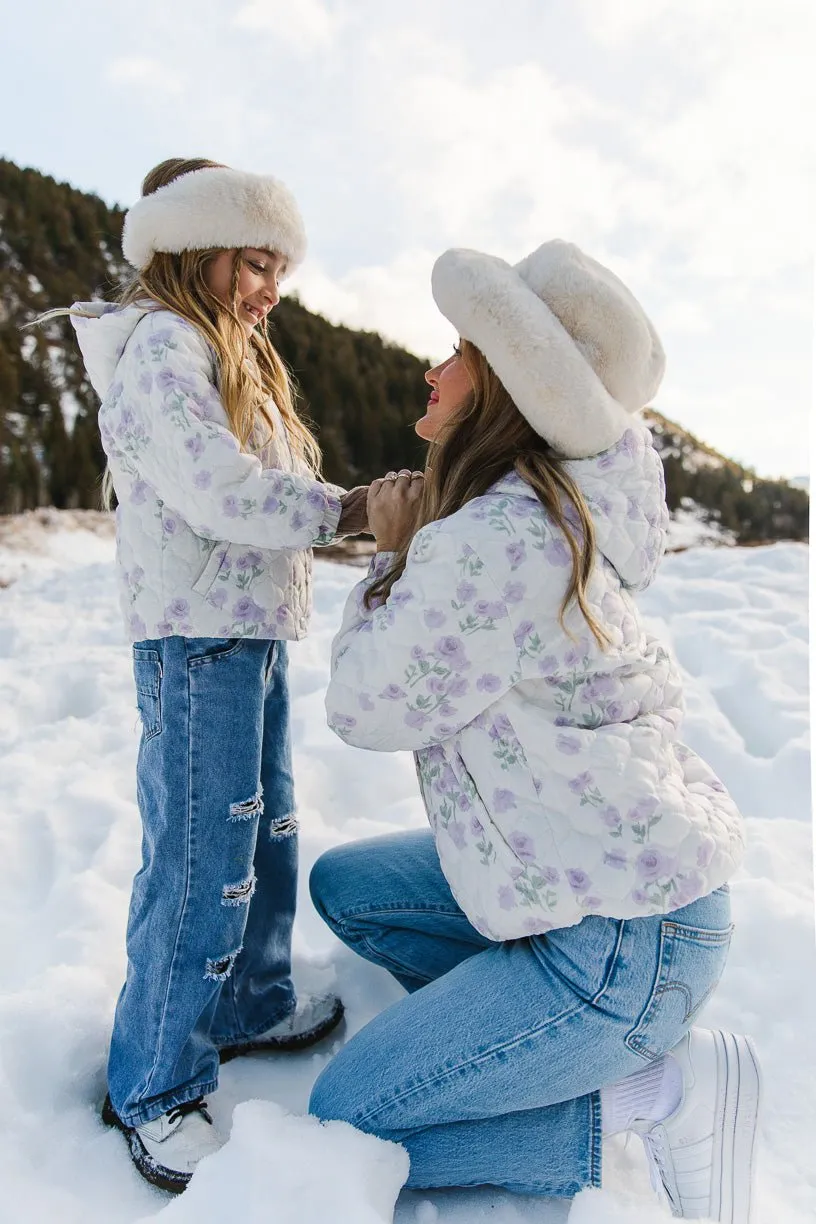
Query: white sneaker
313	1019
167	1149
703	1154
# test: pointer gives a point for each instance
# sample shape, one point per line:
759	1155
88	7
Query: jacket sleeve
426	662
173	428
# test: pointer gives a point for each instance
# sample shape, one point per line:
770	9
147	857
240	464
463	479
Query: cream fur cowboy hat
570	343
215	207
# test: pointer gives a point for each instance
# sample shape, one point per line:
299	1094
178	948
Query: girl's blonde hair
483	440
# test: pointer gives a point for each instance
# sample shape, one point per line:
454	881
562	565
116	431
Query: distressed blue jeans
211	913
489	1070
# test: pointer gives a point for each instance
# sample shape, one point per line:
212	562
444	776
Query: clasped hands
386	509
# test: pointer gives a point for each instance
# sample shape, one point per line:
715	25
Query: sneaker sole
736	1128
272	1045
153	1172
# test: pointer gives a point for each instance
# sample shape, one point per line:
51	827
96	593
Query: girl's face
257	282
450	384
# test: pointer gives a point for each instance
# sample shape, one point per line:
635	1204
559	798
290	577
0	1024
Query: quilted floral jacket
211	541
550	769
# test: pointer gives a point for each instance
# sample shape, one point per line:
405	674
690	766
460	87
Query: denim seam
200	660
237	1038
139	1117
484	1056
397	908
383	959
184	904
613	961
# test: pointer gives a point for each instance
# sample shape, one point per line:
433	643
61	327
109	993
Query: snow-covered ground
69	844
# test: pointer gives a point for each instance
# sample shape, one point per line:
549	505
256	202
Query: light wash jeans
211	913
488	1071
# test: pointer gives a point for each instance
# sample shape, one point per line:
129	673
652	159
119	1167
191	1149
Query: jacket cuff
328	528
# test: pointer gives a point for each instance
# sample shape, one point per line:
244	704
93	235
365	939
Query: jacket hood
625	492
102	330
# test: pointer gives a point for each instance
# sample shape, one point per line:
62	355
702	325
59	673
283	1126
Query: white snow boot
167	1149
703	1154
313	1019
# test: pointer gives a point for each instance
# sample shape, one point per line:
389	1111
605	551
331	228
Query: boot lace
199	1105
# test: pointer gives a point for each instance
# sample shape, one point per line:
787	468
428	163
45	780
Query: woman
568	915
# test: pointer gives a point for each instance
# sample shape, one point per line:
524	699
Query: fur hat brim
554	375
215	207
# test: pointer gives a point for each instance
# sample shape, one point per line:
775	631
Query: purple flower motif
591	903
137	627
270	505
458	686
417	653
365	702
502	726
579	881
342	722
653	864
522	630
476	826
299	521
572	658
465	592
400	597
437	686
456	832
392	692
557	553
165	629
138	493
616	859
548	664
217	599
550	875
170	525
177	609
523	846
434	618
643	810
282	614
640	897
581	783
248	560
494	609
614	711
247	610
503	801
450	649
514	592
230	506
446	709
610	816
202	479
507	897
416	719
195	445
488	683
570	745
316	499
561	720
516	553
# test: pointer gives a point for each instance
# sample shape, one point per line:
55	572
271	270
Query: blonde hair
485	438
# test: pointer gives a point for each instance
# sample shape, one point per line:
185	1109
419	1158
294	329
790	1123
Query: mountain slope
58	245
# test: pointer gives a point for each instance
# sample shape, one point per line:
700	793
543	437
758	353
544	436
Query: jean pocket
207	650
147	672
690	965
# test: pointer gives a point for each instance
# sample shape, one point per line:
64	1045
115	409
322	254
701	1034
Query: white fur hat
215	207
567	339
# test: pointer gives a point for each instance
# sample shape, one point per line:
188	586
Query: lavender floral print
550	769
211	541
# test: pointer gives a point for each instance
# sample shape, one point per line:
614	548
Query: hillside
58	244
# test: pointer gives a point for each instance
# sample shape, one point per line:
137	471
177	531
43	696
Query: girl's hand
392	508
353	516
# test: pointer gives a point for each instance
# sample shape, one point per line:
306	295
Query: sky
671	139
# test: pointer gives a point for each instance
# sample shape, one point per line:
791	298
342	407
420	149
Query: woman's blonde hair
483	440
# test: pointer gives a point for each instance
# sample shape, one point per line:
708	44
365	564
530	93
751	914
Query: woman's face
450	384
257	282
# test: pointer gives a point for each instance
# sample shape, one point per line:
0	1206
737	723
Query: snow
69	842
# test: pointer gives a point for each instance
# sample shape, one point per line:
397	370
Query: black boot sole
275	1045
150	1169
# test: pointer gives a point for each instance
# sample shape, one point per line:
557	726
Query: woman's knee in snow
334	883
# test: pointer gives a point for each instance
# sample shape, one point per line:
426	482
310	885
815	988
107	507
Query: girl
568	915
219	505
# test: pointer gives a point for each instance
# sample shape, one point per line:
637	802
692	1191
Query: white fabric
215	207
211	541
567	339
551	769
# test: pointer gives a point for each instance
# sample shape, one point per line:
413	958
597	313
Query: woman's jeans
210	923
488	1071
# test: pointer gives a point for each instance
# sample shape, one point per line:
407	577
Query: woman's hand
393	503
353	514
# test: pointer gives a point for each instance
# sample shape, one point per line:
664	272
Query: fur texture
570	343
215	208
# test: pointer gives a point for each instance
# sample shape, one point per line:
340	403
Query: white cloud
158	78
302	24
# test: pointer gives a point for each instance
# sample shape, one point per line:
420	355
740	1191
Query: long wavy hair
485	438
